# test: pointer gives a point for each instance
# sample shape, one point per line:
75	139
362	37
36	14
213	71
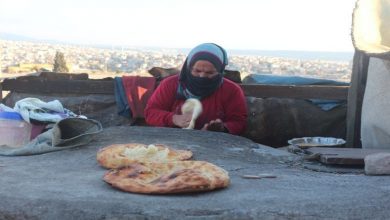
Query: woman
201	77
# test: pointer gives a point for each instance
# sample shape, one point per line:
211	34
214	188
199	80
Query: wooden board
39	85
343	156
355	99
81	85
295	91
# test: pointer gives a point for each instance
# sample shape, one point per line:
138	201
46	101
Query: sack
375	124
371	34
65	134
371	27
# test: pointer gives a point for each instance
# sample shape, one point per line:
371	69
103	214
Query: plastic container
14	131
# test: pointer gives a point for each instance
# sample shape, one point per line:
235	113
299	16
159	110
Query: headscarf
201	87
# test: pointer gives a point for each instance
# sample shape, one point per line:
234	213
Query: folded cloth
138	90
65	134
34	108
122	105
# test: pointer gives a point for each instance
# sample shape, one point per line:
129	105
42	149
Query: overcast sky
312	25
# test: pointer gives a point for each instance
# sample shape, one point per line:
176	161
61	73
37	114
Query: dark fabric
121	99
203	86
200	87
204	55
274	121
197	87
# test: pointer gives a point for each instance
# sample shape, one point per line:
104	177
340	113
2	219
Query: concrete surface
68	184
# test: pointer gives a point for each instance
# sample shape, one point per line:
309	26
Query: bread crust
113	156
167	178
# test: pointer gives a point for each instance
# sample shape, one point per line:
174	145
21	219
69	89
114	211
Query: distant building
28	67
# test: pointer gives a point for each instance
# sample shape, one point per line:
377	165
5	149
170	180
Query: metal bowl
306	142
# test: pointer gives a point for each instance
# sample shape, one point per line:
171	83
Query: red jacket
227	103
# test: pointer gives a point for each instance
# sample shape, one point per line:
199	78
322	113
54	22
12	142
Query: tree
59	63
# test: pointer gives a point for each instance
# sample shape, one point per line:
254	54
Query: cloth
198	87
227	103
375	124
4	108
138	90
210	52
270	79
371	35
33	108
122	105
65	134
370	28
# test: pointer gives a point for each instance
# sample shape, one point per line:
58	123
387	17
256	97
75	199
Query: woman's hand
182	121
215	125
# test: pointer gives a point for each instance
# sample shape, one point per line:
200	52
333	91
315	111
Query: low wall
271	121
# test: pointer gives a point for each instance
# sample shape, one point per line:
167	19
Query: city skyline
245	25
28	57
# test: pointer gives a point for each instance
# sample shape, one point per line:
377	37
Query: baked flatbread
120	155
170	177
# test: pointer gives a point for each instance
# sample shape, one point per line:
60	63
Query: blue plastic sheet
270	79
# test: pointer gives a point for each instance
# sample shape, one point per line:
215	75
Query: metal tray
306	142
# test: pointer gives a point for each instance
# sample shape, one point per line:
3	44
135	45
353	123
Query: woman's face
203	68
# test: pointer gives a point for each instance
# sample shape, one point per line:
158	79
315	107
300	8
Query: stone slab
68	184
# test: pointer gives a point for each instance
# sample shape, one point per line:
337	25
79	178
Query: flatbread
120	155
170	177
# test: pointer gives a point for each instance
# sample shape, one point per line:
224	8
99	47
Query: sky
304	25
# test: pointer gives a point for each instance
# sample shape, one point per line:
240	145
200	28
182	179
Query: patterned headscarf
200	87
